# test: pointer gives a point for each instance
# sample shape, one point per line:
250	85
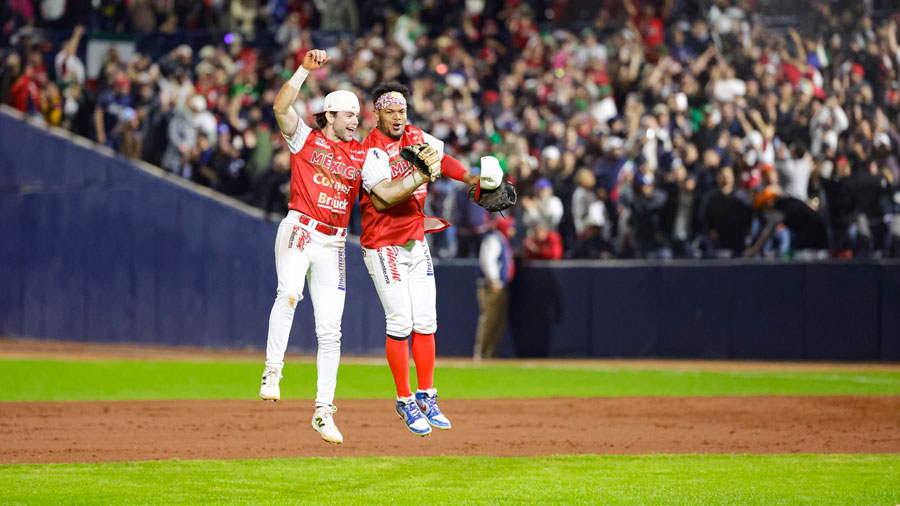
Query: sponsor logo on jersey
326	181
320	141
332	203
326	160
393	149
342	271
358	155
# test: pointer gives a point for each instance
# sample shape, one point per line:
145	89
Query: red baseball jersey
325	175
406	220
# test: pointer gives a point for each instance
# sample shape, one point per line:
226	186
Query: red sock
423	354
397	351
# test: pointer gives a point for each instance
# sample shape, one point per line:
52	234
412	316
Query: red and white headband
388	99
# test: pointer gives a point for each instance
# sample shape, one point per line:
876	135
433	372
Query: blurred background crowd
632	129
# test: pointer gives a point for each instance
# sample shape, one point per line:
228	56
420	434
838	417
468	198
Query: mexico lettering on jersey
406	220
325	175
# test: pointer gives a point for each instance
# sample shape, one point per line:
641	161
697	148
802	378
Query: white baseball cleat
269	390
411	414
323	422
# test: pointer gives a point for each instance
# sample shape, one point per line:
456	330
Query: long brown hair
321	120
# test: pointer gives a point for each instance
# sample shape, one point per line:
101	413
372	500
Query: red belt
321	227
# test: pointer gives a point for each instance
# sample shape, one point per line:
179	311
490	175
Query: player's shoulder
356	150
354	144
414	134
371	139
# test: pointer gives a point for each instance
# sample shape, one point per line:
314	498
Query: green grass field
59	380
584	479
587	479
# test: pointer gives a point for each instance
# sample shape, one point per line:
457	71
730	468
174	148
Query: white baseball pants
404	279
302	255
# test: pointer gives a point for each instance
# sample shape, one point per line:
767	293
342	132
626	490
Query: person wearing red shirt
399	261
24	93
328	167
543	244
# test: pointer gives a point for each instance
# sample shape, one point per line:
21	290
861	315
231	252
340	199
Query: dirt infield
109	431
39	432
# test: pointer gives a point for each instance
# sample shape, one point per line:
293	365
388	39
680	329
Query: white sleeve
841	123
434	142
490	251
58	63
554	210
375	169
295	142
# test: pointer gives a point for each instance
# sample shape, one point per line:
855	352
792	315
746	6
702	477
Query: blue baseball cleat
409	412
427	402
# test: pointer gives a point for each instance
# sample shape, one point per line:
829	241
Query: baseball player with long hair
327	169
399	261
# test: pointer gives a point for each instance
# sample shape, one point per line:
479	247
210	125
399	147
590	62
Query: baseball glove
425	158
499	199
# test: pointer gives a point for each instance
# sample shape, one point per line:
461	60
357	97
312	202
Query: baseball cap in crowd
882	139
857	69
551	153
542	183
341	100
198	103
612	143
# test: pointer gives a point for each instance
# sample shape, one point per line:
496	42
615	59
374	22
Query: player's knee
426	325
292	297
329	344
329	332
399	327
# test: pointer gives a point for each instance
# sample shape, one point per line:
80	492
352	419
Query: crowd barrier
94	247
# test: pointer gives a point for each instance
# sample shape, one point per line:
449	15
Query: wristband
299	76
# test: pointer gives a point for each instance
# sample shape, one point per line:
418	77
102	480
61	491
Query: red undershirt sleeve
452	168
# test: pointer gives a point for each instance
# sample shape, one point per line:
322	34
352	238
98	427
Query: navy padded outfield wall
95	248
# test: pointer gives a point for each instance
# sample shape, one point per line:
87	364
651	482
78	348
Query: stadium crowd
648	129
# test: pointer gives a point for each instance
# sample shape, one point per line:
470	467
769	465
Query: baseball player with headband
397	256
327	169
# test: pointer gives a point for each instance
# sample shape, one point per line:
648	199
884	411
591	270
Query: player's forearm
452	168
285	114
284	101
390	193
